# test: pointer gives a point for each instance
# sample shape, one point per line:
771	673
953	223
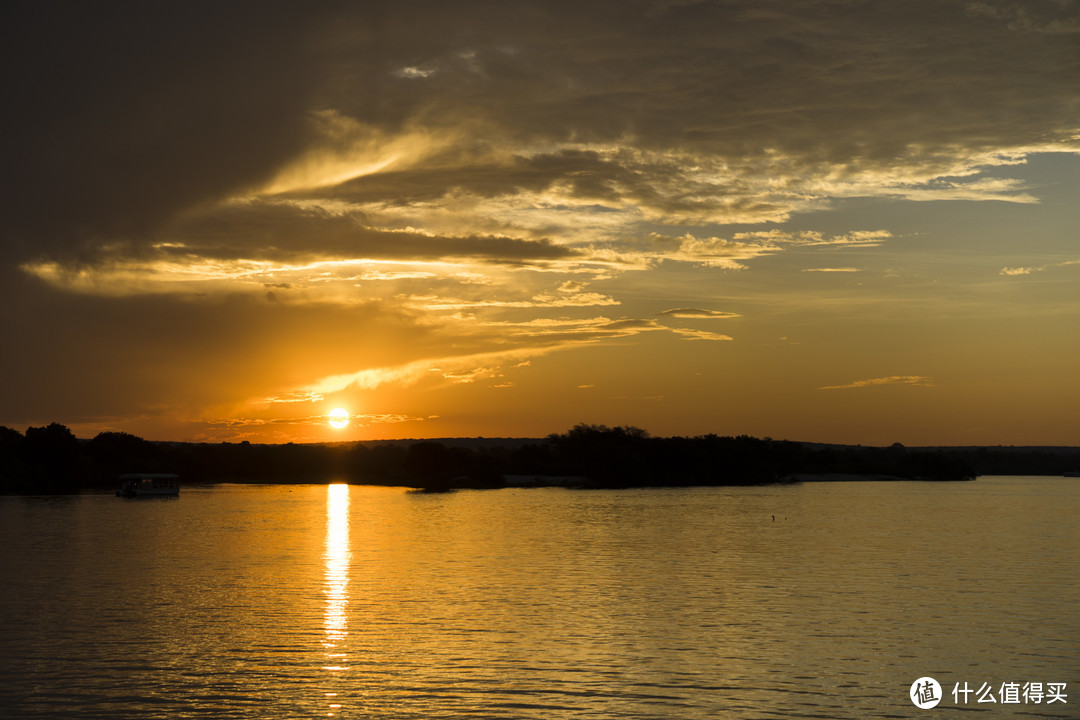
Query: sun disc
339	418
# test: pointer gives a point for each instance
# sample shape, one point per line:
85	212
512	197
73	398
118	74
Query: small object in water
149	485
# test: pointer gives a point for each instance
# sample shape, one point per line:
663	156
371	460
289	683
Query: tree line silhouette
51	459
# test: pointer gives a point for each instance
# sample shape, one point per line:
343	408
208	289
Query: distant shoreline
51	460
860	477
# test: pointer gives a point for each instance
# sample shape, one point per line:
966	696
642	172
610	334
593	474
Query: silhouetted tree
53	451
432	464
114	453
385	462
15	474
609	457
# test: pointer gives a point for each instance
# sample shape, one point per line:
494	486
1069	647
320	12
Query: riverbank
53	460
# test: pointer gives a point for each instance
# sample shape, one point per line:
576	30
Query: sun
339	418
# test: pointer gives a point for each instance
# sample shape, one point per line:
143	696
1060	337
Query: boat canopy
149	476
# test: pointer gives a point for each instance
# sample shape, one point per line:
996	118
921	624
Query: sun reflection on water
336	585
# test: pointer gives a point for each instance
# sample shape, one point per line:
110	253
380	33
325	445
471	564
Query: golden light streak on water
336	585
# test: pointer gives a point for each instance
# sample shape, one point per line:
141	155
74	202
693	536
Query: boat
1073	473
149	485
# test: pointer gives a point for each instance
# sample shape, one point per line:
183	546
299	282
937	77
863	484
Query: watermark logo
925	693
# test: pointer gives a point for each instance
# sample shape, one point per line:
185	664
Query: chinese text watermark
926	693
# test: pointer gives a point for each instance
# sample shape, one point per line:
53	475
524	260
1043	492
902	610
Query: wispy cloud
734	253
918	380
700	334
1051	18
811	238
1013	271
528	340
544	300
295	397
697	313
307	420
472	374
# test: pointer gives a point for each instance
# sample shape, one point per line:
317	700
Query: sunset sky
830	220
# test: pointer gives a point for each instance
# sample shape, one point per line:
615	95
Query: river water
817	600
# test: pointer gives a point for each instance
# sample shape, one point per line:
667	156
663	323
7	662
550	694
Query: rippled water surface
822	600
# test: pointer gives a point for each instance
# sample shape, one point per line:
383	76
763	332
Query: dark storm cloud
831	80
708	112
589	174
119	114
